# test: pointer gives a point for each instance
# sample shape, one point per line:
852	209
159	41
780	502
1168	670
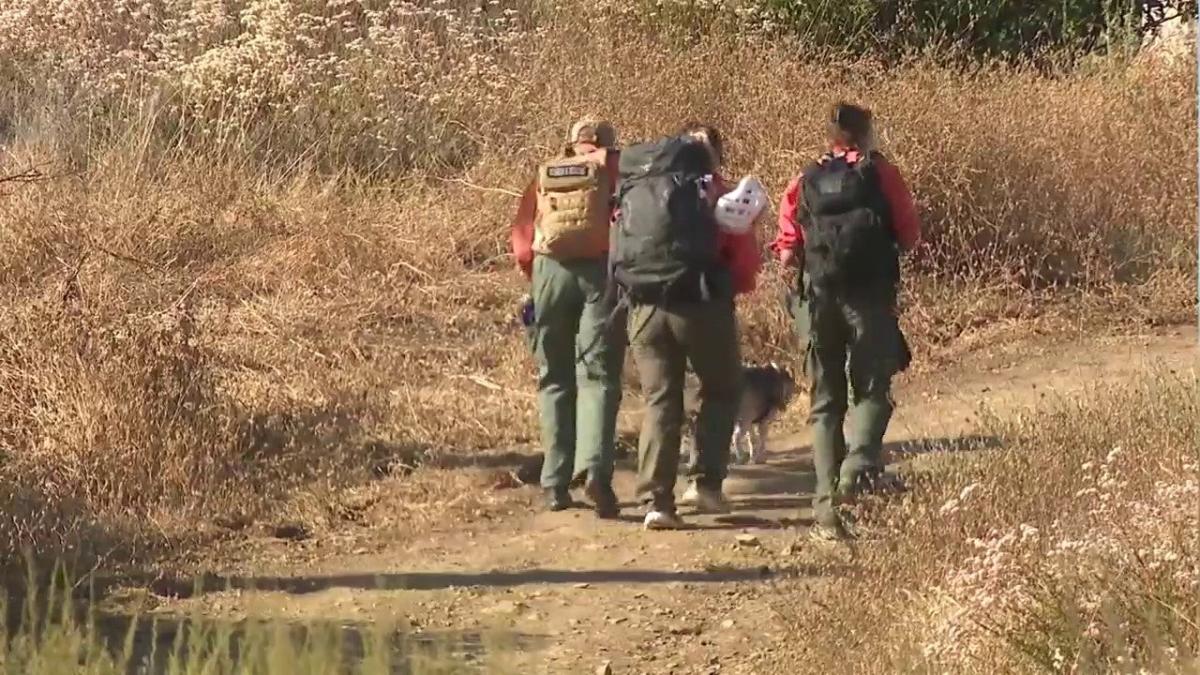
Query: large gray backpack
664	244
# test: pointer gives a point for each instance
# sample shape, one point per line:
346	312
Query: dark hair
849	125
711	133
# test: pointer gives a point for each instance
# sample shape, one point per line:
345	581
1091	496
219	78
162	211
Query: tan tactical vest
573	206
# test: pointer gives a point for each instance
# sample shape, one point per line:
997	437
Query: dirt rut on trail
565	593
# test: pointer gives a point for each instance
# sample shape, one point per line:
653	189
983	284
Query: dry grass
270	255
47	633
1072	549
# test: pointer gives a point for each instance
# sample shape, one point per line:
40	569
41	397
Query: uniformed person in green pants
844	221
560	239
679	271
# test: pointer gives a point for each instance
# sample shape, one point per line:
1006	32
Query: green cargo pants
664	339
579	359
861	339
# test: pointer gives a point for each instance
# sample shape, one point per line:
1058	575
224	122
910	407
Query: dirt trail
584	592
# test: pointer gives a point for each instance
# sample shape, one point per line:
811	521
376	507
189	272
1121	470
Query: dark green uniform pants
854	350
578	397
663	340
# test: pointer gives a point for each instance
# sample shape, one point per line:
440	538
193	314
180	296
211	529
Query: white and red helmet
740	207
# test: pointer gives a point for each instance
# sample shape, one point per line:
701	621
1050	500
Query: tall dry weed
1072	549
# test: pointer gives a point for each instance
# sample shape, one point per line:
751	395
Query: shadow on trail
439	580
776	478
749	502
771	478
925	446
432	581
743	520
800	458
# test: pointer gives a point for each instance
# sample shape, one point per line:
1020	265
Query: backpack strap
870	171
808	172
618	299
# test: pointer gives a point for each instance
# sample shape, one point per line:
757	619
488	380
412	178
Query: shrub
1089	567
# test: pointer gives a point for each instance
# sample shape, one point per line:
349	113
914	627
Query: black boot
557	499
604	500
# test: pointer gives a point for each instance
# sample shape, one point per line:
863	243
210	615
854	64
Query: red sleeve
522	229
740	253
720	185
612	161
790	235
905	222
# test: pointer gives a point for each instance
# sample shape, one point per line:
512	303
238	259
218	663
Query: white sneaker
689	496
706	501
663	520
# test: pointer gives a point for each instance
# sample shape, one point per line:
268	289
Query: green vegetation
1010	29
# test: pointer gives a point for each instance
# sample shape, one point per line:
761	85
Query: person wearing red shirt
560	242
666	333
740	253
521	235
844	222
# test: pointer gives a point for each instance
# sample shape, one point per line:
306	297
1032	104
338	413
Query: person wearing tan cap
560	241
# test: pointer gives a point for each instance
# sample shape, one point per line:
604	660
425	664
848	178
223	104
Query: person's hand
787	264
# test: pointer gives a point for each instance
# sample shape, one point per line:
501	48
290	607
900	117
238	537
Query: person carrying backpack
679	270
560	239
844	222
